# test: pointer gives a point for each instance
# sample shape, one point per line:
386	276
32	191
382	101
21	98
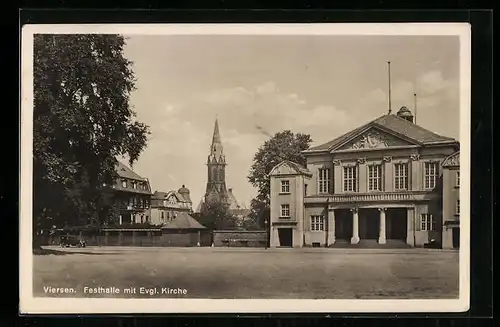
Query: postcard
245	168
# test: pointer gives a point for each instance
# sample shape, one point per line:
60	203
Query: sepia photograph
245	168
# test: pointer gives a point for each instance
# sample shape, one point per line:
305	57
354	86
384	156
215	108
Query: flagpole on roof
415	105
389	71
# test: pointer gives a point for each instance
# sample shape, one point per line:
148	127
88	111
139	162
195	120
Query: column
199	238
355	226
410	223
381	235
331	227
120	220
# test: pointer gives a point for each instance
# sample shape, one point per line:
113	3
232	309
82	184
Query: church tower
216	170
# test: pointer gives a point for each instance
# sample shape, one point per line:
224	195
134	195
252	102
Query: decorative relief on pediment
361	160
415	157
284	169
453	160
374	139
337	162
387	159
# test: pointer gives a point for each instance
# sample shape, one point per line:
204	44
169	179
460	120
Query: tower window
285	186
285	211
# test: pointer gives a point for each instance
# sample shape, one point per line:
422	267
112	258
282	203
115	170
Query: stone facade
451	201
380	183
165	206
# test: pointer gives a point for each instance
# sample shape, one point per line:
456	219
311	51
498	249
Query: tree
284	145
216	215
82	123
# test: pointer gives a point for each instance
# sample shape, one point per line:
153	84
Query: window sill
284	217
284	193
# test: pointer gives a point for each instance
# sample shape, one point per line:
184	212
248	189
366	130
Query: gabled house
133	196
165	206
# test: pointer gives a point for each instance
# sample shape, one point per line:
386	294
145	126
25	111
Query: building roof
183	221
126	172
159	195
392	124
296	167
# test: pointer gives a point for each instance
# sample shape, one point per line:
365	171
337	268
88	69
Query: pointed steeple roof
216	150
216	136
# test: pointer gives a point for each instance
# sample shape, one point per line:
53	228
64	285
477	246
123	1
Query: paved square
250	273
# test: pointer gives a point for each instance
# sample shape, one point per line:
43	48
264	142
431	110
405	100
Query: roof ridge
351	132
421	127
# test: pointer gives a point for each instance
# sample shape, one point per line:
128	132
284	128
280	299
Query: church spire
216	163
216	150
216	136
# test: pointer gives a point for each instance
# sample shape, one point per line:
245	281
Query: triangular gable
452	160
175	195
373	137
393	125
288	168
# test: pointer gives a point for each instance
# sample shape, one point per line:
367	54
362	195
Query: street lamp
265	223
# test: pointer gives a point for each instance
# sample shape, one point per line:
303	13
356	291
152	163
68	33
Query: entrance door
343	224
456	237
398	224
285	236
369	222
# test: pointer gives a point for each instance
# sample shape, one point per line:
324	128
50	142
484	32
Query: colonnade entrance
379	224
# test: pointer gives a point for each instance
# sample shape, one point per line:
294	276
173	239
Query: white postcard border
43	305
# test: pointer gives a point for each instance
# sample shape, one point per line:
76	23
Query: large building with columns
380	183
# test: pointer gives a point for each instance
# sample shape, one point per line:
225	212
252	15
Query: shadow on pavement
58	252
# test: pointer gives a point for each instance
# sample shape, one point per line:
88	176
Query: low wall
140	238
235	238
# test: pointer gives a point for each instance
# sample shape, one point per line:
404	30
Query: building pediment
289	168
452	160
373	138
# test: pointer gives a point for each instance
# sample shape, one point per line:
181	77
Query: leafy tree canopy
82	123
215	215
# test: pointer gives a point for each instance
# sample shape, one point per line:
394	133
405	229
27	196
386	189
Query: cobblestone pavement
304	273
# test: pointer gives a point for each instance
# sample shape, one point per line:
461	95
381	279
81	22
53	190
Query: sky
259	85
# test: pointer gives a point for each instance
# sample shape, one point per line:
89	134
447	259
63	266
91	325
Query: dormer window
124	183
134	185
